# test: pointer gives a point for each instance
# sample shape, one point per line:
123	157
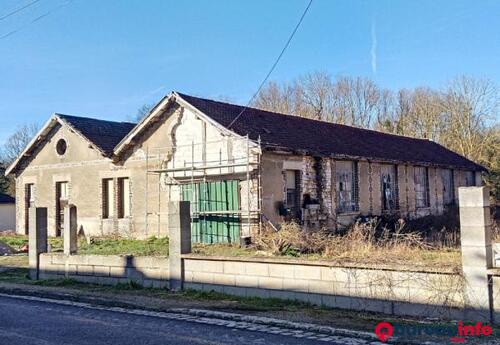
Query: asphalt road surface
27	321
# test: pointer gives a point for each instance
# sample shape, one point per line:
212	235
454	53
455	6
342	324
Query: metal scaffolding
162	162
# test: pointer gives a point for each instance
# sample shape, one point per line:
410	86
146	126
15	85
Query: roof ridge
306	118
93	118
300	134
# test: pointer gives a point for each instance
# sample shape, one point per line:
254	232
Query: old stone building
238	166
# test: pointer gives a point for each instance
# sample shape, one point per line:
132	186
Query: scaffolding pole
201	172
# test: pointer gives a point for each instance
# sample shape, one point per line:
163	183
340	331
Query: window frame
394	184
352	204
123	197
108	198
29	201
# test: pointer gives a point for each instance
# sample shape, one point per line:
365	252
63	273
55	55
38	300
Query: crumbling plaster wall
84	168
369	188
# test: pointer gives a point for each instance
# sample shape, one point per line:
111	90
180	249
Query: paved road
25	321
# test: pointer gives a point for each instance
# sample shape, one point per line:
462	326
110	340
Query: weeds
363	242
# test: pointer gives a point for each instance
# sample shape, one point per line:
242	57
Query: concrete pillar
70	230
37	241
179	232
475	232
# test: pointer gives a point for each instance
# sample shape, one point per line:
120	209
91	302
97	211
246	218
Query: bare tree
277	98
315	92
471	107
142	111
17	142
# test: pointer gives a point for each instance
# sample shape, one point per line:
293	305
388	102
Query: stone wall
390	291
372	289
106	269
166	143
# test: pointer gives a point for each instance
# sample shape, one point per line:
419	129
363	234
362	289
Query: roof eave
287	150
160	109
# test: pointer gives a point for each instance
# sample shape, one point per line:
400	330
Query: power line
18	10
35	20
274	65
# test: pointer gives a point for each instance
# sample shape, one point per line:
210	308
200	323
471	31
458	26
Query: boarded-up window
347	186
389	187
470	178
422	187
448	187
123	198
108	198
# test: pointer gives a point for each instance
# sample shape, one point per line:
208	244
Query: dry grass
362	243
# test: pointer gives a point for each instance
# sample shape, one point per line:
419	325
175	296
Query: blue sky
107	58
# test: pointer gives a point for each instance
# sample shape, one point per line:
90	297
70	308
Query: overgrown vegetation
432	241
371	241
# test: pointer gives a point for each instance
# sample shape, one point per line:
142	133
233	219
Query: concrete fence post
37	239
477	255
70	230
179	233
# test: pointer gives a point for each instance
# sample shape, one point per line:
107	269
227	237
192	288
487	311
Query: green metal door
211	206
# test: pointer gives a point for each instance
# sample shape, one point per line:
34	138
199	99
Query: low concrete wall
106	269
438	294
472	294
397	292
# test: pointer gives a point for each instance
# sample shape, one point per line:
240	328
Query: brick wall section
308	178
387	291
107	270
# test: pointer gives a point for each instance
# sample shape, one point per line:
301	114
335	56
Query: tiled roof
104	134
298	134
6	199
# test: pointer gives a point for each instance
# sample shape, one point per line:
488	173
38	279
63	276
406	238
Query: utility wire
35	20
18	10
274	65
